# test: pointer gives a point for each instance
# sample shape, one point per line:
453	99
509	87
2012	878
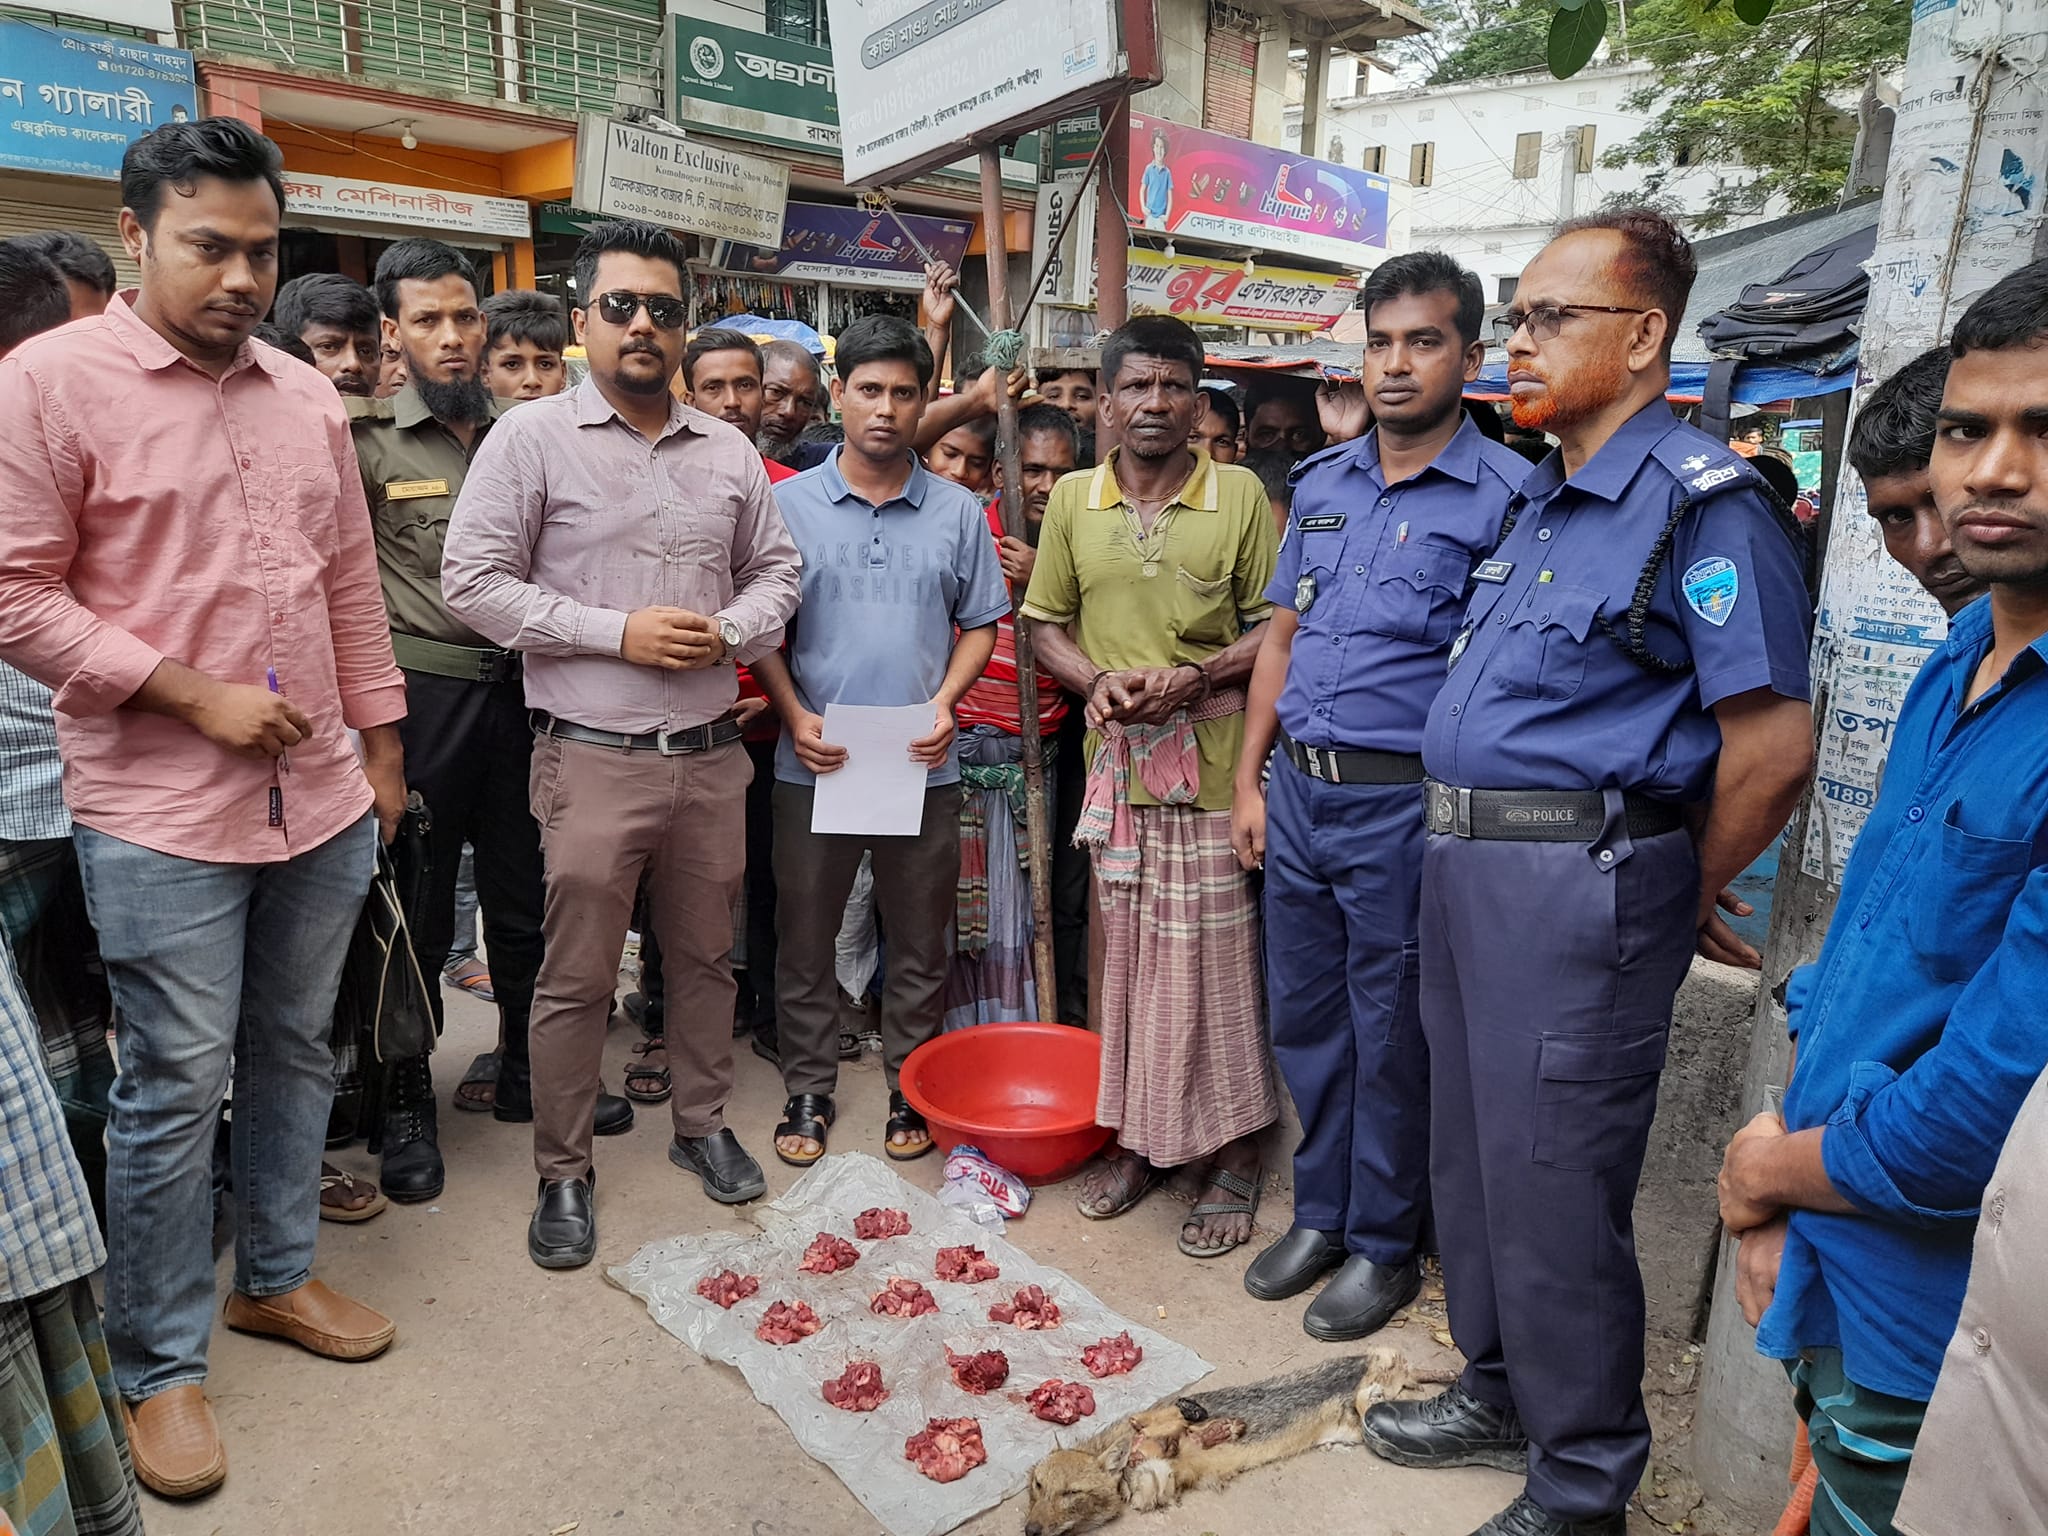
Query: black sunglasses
664	309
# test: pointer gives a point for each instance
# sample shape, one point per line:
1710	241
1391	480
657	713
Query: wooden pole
1037	826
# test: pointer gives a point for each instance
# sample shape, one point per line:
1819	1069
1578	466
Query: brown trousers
915	883
606	816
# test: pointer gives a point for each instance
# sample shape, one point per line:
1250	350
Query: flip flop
473	977
808	1115
338	1186
482	1073
1147	1176
906	1121
645	1082
1248	1205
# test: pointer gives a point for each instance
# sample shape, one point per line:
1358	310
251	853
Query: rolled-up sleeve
488	559
92	664
1918	1146
766	575
366	674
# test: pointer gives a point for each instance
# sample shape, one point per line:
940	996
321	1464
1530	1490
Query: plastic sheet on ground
866	1449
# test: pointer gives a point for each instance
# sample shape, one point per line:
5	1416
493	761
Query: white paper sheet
879	792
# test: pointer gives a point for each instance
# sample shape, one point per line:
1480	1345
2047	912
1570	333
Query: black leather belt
1540	815
689	738
1342	765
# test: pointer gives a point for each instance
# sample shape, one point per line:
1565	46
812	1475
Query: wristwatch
729	633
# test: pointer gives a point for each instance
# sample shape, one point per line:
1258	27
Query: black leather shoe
412	1170
563	1232
1294	1263
1525	1517
1360	1299
614	1115
513	1101
730	1175
1452	1429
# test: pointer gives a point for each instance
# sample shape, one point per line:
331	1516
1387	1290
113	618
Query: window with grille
1375	158
1421	164
1505	292
799	21
1231	71
1528	155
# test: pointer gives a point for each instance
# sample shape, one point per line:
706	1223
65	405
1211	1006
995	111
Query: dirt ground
519	1402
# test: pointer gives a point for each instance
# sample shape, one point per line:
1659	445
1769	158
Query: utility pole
1568	178
1952	223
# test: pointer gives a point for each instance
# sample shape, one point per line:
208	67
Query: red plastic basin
1023	1093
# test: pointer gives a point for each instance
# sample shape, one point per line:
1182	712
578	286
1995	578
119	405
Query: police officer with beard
468	744
1624	728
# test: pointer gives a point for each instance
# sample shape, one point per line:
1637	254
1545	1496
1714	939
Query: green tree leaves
1575	34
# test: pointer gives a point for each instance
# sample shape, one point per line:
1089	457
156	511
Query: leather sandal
810	1116
1246	1205
904	1120
647	1080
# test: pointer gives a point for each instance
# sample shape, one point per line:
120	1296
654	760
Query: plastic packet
972	1201
970	1166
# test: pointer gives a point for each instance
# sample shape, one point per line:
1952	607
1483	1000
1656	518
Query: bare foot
1226	1229
1114	1184
800	1147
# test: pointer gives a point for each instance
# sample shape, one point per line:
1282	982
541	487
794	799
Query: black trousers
468	751
1070	890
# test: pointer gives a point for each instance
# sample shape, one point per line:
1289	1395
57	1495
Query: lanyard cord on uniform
1638	615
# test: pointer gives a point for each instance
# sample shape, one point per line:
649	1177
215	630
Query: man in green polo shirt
1148	600
468	744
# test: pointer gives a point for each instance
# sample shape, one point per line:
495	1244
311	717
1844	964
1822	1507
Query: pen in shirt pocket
270	676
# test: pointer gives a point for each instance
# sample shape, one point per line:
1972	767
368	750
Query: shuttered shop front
100	224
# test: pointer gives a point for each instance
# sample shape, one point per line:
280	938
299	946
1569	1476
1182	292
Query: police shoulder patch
1699	464
1711	587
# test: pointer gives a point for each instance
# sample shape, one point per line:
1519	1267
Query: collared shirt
1921	1027
48	1236
1543	693
885	587
155	511
570	520
1379	575
31	771
1193	586
413	468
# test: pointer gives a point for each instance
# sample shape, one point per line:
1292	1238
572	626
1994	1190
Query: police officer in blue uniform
1370	589
1624	728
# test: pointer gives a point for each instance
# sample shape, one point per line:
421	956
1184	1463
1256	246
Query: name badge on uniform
1305	592
1324	522
412	490
1495	571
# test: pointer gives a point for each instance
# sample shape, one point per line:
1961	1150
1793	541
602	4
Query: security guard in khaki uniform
468	744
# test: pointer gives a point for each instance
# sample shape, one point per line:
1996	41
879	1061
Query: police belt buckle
1314	759
1450	810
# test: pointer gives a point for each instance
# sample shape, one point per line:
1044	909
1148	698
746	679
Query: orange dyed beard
1581	394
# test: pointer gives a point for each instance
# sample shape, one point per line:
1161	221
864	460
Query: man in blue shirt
1623	729
1920	1030
902	587
1370	587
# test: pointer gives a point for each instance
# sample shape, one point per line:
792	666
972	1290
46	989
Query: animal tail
1333	1380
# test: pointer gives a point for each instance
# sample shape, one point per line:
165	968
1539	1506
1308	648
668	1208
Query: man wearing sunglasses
1624	728
629	546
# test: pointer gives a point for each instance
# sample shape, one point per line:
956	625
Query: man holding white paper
902	587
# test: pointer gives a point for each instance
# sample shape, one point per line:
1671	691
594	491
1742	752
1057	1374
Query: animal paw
1149	1484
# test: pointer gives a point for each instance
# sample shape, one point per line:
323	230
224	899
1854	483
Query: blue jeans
213	966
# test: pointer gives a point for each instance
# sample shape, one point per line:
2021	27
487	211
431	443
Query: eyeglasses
1546	320
664	309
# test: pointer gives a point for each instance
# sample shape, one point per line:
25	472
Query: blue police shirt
884	588
1921	1027
1542	693
1379	576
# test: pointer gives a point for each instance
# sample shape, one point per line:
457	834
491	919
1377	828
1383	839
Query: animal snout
1033	1528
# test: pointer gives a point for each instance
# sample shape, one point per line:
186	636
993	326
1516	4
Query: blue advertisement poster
851	245
72	102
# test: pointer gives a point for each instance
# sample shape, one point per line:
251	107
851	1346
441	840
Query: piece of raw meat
828	1254
902	1297
1060	1402
968	1265
946	1450
1112	1357
785	1324
1029	1308
881	1221
859	1389
727	1287
979	1373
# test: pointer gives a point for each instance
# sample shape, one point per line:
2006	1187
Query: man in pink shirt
186	559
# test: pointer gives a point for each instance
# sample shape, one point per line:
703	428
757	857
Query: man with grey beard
468	739
791	388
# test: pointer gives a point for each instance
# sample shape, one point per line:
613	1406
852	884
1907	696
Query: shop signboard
821	242
922	78
1222	293
771	90
627	172
395	202
1190	182
72	102
1073	144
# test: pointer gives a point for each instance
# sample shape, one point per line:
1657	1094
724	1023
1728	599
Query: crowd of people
1392	763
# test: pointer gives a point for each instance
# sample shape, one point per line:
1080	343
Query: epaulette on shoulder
1320	457
360	409
1702	466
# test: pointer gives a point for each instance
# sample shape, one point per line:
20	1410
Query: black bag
1805	320
384	1010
